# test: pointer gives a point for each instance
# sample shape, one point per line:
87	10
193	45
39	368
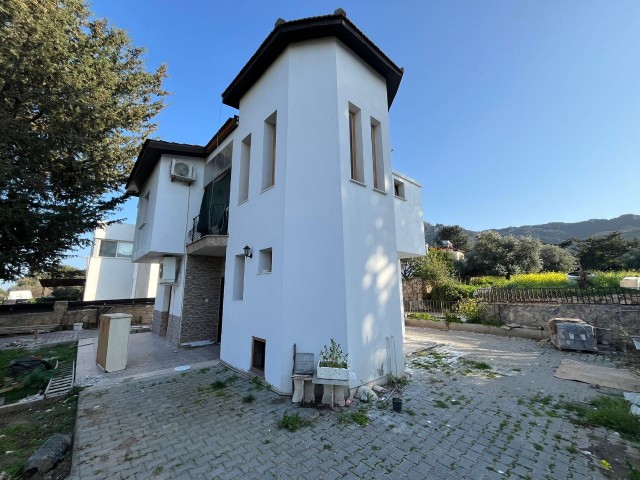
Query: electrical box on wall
169	271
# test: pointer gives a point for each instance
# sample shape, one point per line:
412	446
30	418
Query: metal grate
62	382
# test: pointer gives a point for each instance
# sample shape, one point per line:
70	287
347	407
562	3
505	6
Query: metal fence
429	306
601	296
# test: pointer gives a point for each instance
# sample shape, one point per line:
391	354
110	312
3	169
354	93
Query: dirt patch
615	456
24	430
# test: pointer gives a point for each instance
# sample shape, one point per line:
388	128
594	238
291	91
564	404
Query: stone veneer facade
201	304
160	322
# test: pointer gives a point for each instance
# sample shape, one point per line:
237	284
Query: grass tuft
293	422
609	412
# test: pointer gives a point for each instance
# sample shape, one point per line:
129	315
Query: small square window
398	188
265	261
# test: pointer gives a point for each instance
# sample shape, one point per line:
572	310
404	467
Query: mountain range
556	232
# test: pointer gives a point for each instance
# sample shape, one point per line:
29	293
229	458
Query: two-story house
289	224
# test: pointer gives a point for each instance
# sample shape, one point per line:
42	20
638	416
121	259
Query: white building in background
289	224
110	272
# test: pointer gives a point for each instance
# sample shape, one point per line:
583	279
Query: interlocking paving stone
178	426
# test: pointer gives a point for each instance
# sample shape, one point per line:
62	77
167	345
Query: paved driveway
459	420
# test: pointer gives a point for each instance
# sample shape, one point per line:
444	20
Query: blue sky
509	112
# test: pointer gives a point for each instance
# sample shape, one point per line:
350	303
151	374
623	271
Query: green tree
409	267
605	253
556	259
493	254
76	102
455	234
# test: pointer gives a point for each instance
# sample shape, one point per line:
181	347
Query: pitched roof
285	33
153	149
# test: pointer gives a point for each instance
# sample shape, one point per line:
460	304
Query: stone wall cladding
201	302
173	330
538	315
159	323
414	289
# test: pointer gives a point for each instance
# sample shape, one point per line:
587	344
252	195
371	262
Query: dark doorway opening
258	349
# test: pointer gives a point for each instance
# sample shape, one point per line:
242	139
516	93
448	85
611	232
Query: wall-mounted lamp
247	251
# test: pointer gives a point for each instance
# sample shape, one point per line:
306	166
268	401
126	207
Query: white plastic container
331	373
630	282
77	326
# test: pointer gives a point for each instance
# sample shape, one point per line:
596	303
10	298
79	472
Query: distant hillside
556	232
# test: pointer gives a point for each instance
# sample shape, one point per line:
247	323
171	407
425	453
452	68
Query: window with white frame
114	248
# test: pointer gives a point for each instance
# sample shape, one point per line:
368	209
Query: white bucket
77	326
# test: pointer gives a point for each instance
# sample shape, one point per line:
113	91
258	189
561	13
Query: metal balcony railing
215	222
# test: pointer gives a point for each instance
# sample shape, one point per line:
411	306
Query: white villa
110	273
287	227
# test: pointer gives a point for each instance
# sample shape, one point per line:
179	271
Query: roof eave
307	29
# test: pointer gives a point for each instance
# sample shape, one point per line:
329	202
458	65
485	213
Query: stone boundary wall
603	317
530	333
63	318
534	318
413	289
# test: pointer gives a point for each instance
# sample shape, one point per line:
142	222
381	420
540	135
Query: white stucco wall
114	278
409	220
335	272
170	211
258	223
371	272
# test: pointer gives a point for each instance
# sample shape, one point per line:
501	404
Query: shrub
333	356
452	291
488	280
471	309
610	279
451	318
540	280
423	316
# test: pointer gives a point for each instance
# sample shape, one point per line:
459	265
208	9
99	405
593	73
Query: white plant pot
331	373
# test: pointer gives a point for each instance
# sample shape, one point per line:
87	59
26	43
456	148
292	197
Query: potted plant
333	363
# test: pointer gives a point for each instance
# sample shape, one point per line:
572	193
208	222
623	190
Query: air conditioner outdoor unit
182	171
168	271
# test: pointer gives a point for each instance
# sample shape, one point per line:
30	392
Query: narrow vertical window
355	144
376	156
143	208
238	278
245	162
269	152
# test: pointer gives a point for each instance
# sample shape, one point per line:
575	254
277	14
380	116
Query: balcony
209	235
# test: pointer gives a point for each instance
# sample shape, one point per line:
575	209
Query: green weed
293	422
